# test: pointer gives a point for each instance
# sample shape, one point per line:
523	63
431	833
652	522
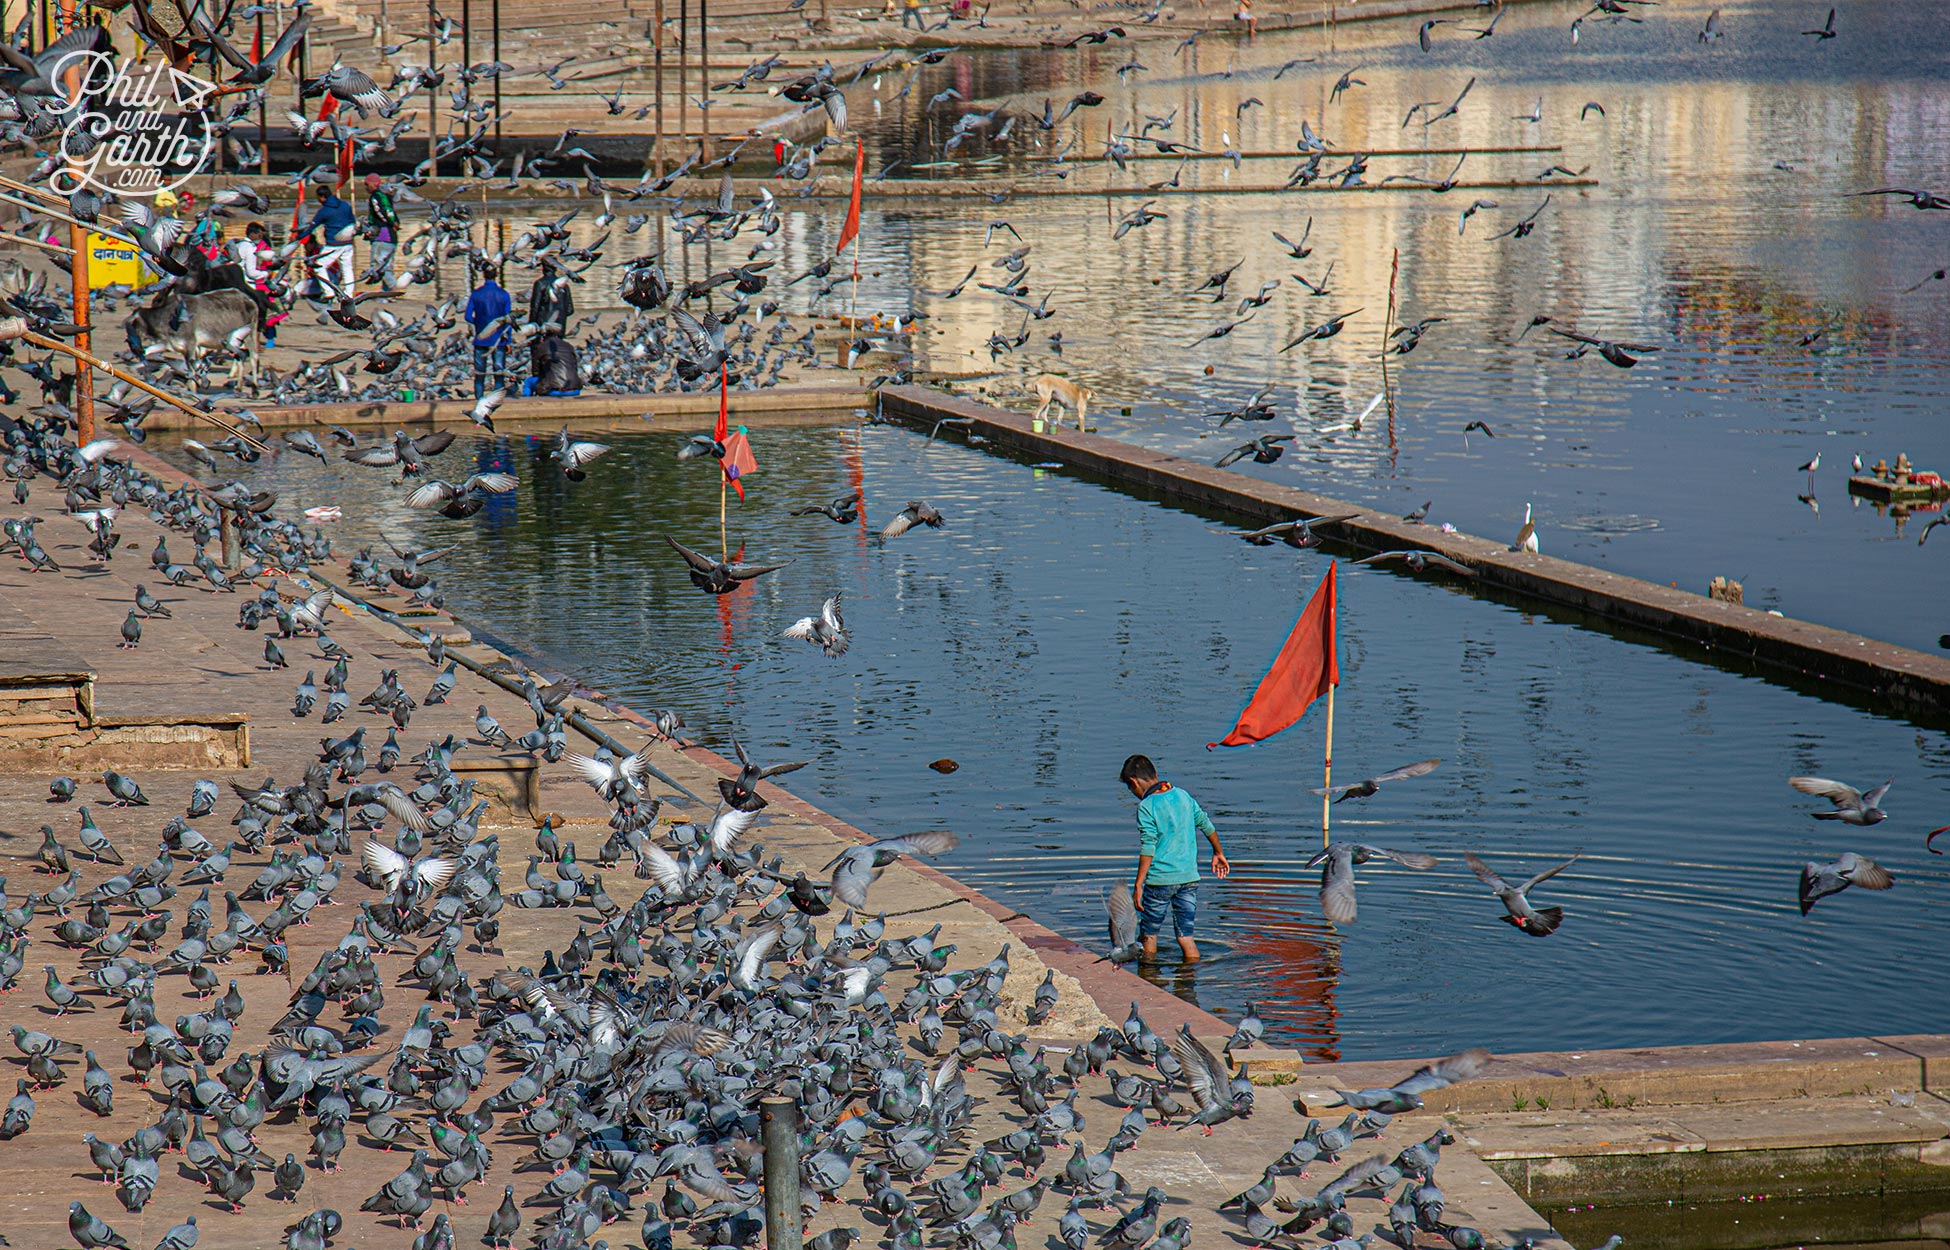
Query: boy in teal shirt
1169	822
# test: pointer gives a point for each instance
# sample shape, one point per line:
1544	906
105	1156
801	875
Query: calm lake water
1695	240
1056	626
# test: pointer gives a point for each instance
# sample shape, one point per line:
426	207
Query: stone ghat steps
55	718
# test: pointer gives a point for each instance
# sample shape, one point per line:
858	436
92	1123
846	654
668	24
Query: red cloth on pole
328	108
257	45
728	465
298	209
345	162
851	230
738	461
1303	671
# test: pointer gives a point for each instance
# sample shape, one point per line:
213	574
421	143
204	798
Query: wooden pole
497	77
657	42
853	312
84	382
703	67
684	70
433	102
263	120
1327	769
1387	331
724	480
16	328
304	62
43	244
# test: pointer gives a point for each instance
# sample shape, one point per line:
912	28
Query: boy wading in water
1169	822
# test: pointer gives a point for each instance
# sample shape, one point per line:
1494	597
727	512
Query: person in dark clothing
382	225
549	300
487	311
558	371
333	227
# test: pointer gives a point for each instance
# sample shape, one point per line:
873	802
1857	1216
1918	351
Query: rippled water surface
1694	240
1056	626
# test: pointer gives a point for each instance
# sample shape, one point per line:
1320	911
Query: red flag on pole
328	108
257	44
724	403
738	460
298	209
345	162
731	465
1304	670
851	230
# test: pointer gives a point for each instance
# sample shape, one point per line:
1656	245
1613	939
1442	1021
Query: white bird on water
1527	536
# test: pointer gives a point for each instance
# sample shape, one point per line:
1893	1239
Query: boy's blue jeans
1180	900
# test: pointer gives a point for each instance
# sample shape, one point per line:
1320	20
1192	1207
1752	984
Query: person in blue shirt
1169	823
487	312
334	227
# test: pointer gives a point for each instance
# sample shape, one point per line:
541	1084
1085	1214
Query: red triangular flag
298	209
1303	671
851	230
345	162
328	108
738	460
257	44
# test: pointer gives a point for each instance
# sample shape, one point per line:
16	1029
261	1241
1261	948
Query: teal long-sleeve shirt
1169	825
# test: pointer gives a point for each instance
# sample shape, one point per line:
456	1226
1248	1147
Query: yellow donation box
111	261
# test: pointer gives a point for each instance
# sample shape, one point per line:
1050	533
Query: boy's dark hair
1138	768
489	273
254	230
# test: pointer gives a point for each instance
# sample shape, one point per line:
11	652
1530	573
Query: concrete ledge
1888	674
811	404
1626	1079
1725	1176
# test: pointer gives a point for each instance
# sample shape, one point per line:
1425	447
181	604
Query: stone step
1706	1152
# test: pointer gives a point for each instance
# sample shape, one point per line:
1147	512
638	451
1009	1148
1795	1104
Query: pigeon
1535	921
825	631
1818	881
1337	877
915	513
1852	806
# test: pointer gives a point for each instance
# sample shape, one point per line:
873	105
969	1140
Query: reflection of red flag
851	230
1303	671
